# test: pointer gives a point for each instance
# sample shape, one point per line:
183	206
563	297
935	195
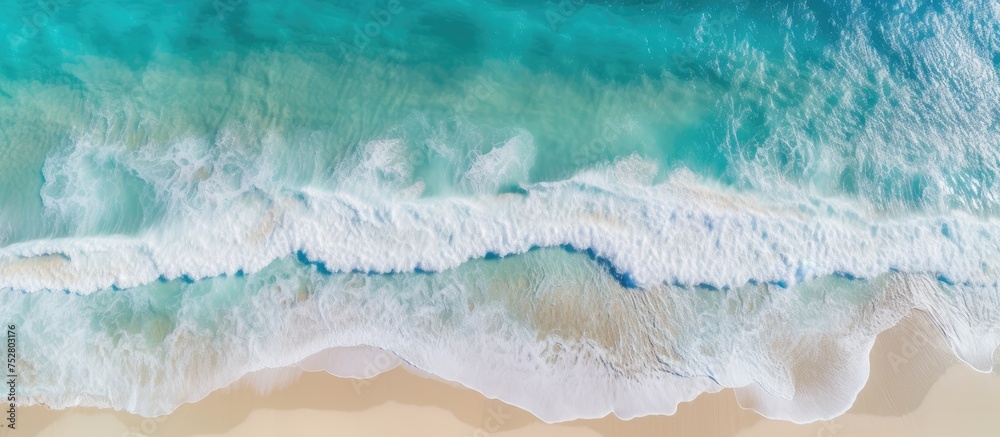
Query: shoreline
911	371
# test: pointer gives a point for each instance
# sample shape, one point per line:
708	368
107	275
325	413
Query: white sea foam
77	198
507	164
678	231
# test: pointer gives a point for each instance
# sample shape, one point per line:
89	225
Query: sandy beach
916	388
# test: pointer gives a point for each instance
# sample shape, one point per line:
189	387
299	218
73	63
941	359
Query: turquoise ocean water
579	207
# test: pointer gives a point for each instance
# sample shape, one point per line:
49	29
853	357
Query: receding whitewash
506	164
678	231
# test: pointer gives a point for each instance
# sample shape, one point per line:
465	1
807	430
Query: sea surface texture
577	207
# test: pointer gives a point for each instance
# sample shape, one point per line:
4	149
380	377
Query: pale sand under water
916	389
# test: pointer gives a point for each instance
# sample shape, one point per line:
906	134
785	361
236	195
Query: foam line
678	231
